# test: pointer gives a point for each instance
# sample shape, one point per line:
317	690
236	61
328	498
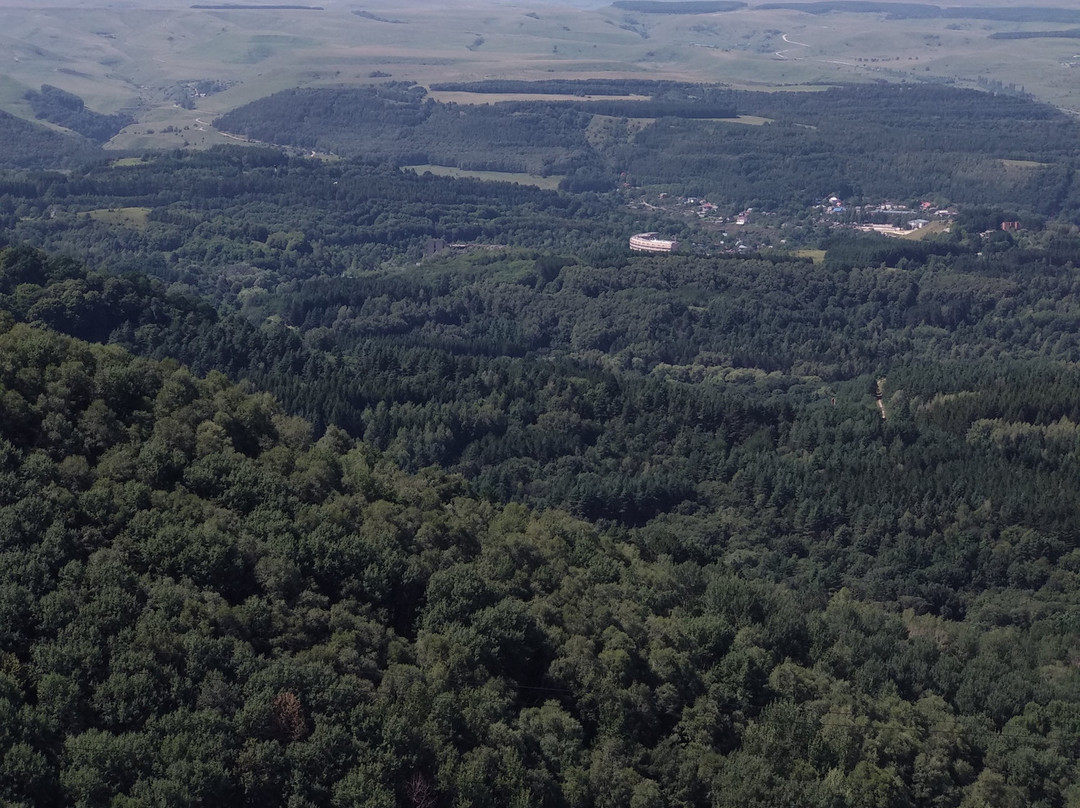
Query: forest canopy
331	483
201	600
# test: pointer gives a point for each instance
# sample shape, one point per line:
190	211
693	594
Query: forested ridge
68	110
927	10
878	141
300	507
29	145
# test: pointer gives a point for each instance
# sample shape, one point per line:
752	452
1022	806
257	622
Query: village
730	230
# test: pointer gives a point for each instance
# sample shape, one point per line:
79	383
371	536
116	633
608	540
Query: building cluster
894	212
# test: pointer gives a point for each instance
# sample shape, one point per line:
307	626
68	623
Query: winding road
201	127
780	53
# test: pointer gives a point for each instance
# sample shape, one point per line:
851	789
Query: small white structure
648	242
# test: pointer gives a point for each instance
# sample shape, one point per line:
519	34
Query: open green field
448	97
140	59
128	162
1022	165
548	183
749	120
817	256
129	217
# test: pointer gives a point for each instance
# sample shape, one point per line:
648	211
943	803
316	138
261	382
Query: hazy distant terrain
174	68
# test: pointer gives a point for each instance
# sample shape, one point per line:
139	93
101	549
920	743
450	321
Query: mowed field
455	97
136	57
548	183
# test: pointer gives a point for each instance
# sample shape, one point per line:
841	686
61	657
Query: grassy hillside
149	58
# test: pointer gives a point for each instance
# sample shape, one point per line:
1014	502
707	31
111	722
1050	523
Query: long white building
648	242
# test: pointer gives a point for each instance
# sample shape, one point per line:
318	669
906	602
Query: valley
664	405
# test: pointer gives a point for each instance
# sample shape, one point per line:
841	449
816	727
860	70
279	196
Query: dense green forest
1071	33
68	110
201	601
300	506
258	217
29	145
901	11
395	121
876	141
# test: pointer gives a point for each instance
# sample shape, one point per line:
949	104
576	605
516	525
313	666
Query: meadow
548	183
135	217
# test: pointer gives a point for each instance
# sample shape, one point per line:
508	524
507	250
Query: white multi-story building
648	242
